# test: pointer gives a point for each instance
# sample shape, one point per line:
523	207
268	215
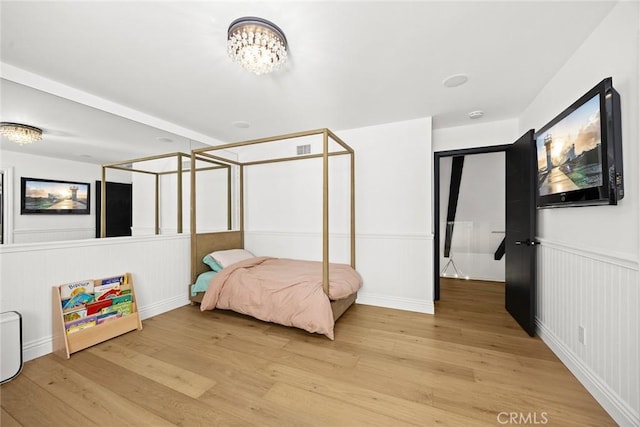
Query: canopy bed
329	288
148	165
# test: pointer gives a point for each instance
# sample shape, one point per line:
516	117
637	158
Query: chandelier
21	134
257	44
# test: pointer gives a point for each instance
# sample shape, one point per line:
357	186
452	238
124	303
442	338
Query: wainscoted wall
581	288
35	235
589	258
393	266
159	265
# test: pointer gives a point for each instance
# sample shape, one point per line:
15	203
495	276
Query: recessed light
241	124
476	114
164	139
455	80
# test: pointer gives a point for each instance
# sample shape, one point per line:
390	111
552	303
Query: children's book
124	308
107	316
77	301
122	298
109	294
116	279
82	323
97	306
70	289
75	314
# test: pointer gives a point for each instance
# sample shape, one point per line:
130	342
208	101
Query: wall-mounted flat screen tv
579	152
46	196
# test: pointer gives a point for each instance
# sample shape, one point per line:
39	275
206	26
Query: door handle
527	242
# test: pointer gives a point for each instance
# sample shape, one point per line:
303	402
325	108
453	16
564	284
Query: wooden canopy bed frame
128	166
205	243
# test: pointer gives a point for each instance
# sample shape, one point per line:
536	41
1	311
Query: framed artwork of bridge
46	196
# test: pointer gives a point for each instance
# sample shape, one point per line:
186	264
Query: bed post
192	216
242	204
325	211
103	203
229	222
353	211
179	192
157	215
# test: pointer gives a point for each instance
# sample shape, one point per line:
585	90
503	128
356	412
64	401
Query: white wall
393	219
45	228
159	265
588	268
480	221
475	135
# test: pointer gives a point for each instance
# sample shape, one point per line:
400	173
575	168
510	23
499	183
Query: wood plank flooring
468	365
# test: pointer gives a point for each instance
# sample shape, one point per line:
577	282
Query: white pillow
230	256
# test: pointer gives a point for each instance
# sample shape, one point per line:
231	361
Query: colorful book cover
82	323
70	289
77	301
110	280
102	318
122	298
75	315
80	327
124	308
102	289
97	306
110	294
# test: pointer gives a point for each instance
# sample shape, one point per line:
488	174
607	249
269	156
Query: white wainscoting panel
580	288
160	267
52	234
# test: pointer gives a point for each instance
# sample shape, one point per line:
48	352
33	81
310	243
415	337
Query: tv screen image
54	197
579	152
569	153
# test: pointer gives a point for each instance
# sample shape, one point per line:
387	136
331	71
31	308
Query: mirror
77	141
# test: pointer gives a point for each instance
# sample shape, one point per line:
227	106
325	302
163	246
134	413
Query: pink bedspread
284	291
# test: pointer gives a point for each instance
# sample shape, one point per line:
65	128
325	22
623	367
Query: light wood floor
463	367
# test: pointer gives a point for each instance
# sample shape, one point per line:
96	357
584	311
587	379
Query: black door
119	212
520	250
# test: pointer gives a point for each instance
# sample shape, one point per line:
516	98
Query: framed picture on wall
46	196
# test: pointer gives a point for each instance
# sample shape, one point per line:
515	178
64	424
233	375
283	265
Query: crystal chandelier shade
21	134
256	44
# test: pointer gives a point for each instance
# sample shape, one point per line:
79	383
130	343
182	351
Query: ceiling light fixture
240	124
21	134
455	80
256	44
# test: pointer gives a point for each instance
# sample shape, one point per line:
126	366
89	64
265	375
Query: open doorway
469	197
520	225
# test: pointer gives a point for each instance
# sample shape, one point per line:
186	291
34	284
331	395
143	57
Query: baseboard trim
43	346
163	306
37	348
610	401
399	303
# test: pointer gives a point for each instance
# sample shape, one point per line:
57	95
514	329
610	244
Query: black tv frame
612	188
25	209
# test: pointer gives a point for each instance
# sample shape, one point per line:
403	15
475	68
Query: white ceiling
352	64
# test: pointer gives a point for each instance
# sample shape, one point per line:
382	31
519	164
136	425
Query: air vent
303	149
